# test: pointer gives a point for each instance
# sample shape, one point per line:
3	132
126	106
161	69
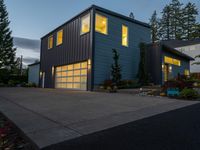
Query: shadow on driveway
174	130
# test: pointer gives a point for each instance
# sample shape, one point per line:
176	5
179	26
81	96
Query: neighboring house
191	48
78	54
164	62
33	73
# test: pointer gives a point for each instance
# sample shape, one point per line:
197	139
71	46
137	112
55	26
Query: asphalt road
174	130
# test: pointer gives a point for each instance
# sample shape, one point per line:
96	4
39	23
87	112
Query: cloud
29	60
22	43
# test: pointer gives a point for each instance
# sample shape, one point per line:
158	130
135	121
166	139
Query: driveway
49	116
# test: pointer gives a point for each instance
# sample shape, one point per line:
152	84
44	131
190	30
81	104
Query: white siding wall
192	50
33	74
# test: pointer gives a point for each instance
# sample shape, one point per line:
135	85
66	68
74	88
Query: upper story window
85	24
59	39
124	35
50	42
172	61
101	24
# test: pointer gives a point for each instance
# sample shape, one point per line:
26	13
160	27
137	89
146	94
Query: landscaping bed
10	137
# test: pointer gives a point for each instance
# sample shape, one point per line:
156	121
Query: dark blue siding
129	56
185	64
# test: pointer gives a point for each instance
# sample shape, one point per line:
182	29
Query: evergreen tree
142	74
7	52
165	24
176	19
116	68
190	24
154	22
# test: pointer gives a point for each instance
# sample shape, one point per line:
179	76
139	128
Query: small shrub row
189	93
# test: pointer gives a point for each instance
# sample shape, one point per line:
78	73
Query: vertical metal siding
75	48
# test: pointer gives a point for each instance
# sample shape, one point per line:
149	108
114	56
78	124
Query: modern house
78	54
191	48
33	73
167	62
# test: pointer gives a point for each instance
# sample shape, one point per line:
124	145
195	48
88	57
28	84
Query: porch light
170	68
89	62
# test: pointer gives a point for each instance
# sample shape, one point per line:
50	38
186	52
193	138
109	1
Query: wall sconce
52	69
170	68
89	64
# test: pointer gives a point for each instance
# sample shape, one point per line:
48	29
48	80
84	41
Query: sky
32	19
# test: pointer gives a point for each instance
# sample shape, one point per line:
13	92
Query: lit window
59	37
187	72
85	24
172	61
50	42
101	24
124	35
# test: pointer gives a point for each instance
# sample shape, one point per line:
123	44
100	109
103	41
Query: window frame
61	30
85	16
106	23
123	25
51	36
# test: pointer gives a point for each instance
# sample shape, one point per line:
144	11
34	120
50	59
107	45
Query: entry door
73	76
166	72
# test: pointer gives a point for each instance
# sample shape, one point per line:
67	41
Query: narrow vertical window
50	42
101	24
124	35
59	39
85	24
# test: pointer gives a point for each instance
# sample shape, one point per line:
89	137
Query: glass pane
84	72
83	87
77	85
64	68
69	73
58	74
83	79
84	65
58	68
77	72
50	42
77	79
77	66
59	37
70	67
64	74
64	79
58	79
101	24
124	35
69	85
85	24
70	79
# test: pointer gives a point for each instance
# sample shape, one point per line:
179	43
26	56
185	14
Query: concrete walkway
49	116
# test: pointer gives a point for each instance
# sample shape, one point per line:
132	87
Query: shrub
128	84
28	85
189	93
107	83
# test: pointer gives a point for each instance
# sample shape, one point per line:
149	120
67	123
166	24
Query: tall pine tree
176	19
190	23
165	24
7	52
154	22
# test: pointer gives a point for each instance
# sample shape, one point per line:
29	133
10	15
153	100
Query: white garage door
72	76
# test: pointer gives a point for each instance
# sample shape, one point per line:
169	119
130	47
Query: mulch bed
10	137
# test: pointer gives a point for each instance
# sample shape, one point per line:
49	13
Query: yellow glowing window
85	24
77	86
70	73
64	79
50	42
77	73
187	72
59	37
172	61
77	79
84	65
83	79
70	79
58	69
84	72
64	68
124	35
64	74
101	24
77	66
70	67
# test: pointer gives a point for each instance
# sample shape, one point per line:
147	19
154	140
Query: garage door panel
72	76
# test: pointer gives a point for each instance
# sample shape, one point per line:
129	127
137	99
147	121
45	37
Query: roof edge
102	10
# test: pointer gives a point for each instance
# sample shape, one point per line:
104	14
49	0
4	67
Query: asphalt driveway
49	116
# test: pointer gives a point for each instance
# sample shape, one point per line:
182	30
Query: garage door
72	76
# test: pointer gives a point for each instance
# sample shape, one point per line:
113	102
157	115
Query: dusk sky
32	19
